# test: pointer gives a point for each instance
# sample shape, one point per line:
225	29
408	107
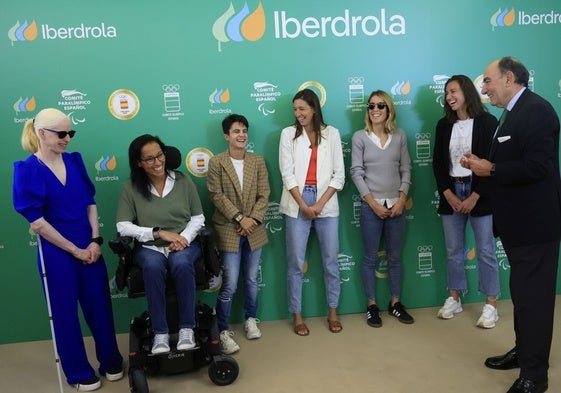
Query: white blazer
294	158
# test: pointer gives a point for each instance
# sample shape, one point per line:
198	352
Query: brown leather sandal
301	329
334	326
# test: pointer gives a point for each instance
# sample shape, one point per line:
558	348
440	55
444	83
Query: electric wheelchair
222	369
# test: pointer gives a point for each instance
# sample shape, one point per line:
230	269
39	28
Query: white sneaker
161	344
227	343
251	329
450	308
186	339
488	317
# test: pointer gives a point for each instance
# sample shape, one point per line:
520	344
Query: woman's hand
452	199
380	210
95	252
308	211
468	204
397	208
246	226
176	241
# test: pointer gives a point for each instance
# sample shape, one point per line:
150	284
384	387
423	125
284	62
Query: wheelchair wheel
223	370
137	381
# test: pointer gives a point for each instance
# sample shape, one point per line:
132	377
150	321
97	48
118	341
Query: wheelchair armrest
121	247
211	255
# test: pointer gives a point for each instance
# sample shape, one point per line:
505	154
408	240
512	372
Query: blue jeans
372	227
297	233
182	268
231	263
454	235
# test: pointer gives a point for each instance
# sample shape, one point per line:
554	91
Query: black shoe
503	362
373	316
87	385
523	385
114	373
398	311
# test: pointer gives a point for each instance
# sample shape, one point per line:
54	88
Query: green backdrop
176	68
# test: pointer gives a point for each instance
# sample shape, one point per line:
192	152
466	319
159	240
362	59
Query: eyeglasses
151	160
380	105
62	134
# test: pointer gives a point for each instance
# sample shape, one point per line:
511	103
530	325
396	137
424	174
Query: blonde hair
46	118
390	125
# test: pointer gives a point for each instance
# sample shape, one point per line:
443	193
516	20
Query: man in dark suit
523	166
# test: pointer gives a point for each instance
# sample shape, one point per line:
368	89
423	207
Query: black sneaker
87	385
114	373
398	311
373	316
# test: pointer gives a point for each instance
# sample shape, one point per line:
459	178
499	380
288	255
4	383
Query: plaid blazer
228	198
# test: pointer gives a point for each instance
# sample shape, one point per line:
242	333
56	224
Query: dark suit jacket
226	194
526	196
483	128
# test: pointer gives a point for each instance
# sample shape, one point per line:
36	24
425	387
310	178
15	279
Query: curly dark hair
139	178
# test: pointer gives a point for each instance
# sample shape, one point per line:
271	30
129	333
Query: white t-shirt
460	143
238	166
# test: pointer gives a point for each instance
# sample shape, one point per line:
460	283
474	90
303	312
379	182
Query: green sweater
171	213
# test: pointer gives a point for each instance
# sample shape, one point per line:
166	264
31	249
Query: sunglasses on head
380	105
62	134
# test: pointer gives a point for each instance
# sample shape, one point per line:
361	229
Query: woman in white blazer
312	169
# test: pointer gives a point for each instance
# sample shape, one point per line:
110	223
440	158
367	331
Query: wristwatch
492	171
98	240
156	232
238	217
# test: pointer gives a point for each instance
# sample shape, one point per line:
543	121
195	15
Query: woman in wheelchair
161	209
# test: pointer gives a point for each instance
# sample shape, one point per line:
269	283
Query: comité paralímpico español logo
239	26
503	18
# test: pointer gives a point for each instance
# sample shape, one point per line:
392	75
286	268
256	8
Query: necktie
501	121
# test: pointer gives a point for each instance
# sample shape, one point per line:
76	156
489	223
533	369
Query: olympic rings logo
170	88
422	136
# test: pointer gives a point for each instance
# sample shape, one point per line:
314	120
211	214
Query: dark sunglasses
380	105
62	134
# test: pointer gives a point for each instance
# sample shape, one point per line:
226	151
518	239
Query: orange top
311	177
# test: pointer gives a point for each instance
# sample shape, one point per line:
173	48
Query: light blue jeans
231	264
372	227
297	233
454	235
182	268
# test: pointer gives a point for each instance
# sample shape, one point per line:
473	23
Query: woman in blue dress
59	205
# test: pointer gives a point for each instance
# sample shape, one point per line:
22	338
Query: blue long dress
37	193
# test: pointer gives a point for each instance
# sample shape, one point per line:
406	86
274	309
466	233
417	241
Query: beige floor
429	356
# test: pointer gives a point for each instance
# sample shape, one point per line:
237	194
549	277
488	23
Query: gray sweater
381	172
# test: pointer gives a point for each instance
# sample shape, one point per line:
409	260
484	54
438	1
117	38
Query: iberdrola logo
106	164
25	104
240	26
219	96
503	18
25	32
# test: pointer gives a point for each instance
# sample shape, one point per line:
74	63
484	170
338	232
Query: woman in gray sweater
381	171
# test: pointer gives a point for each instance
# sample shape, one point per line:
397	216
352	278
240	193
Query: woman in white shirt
312	169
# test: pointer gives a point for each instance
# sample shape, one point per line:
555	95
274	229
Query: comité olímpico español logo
239	26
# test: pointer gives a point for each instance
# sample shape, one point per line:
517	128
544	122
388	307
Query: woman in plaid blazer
238	185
